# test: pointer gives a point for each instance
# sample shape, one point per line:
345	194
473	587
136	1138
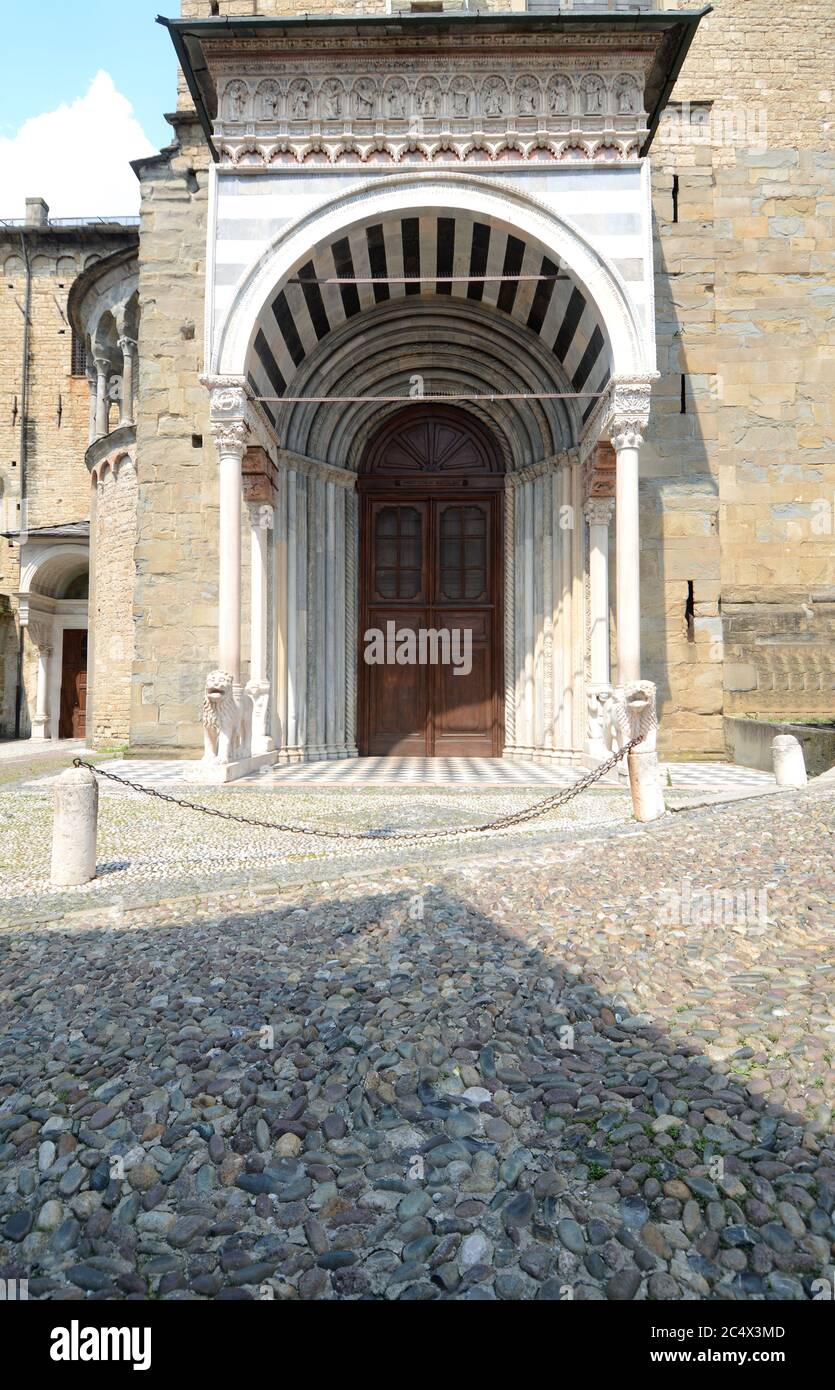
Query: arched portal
431	521
467	297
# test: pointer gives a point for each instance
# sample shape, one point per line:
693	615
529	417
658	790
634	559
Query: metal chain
539	808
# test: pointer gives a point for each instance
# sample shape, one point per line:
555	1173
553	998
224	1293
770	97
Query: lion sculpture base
227	718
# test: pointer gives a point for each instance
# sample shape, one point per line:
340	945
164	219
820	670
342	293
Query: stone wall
57	481
738	493
739	490
113	570
175	599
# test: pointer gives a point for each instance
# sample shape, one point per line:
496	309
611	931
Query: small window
78	365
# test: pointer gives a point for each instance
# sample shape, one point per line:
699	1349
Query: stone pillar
230	432
92	383
509	619
102	403
74	827
261	520
598	513
626	421
42	638
351	621
128	346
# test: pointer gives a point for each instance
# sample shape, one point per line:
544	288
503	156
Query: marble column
626	418
261	521
126	412
317	618
598	513
230	431
627	444
102	403
42	637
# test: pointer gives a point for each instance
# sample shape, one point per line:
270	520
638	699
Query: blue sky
72	71
54	48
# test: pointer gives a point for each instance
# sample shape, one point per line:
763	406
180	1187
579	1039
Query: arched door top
437	442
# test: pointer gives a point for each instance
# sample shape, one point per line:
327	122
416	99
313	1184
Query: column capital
127	344
103	365
229	413
41	634
627	412
599	511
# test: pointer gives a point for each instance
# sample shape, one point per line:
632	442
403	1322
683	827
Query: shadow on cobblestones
390	1095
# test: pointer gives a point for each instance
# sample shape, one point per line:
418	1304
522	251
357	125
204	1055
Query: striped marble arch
468	306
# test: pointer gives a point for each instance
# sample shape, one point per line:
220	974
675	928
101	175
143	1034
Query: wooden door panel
72	715
397	696
463	703
439	513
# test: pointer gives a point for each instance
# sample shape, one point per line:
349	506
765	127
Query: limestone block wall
739	486
57	482
175	597
110	652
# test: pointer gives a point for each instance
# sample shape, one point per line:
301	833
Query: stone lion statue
226	720
634	715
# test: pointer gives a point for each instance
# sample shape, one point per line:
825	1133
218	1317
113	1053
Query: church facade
456	379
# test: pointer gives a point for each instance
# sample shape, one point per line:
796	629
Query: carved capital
229	407
627	413
128	345
230	436
41	635
599	511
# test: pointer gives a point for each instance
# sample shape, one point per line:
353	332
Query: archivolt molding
448	192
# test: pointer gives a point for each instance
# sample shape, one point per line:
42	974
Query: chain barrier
539	808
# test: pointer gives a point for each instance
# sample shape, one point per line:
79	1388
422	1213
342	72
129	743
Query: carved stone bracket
599	468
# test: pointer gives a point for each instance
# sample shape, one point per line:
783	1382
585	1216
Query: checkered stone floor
429	772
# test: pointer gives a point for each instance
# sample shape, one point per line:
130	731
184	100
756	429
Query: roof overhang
193	41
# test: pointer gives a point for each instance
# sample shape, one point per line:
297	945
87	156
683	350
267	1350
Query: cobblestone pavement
549	1069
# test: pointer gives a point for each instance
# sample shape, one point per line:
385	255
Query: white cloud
76	157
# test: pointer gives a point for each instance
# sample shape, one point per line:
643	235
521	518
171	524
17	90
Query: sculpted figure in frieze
559	96
397	99
627	95
462	96
428	98
332	99
235	100
365	99
268	101
494	100
299	99
594	94
527	96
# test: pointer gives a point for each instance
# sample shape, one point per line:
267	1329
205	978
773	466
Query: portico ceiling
460	321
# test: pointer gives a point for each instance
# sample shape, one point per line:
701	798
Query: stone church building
505	319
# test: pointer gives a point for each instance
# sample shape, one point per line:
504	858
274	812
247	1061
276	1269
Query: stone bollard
789	764
645	785
74	827
635	717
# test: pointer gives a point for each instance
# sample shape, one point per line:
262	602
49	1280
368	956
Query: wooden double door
430	611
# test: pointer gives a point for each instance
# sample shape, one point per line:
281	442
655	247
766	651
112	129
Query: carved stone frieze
525	102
